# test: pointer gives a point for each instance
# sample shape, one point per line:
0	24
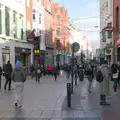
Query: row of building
31	27
22	22
110	30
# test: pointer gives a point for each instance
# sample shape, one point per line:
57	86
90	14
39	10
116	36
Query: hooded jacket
18	74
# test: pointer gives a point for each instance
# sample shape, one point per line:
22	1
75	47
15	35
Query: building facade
106	29
48	20
60	28
13	43
116	23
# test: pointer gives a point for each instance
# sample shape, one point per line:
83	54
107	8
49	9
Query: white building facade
38	22
106	22
13	43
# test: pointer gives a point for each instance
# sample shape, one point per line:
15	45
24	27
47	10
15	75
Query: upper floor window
58	31
7	21
39	18
28	3
58	19
106	7
15	24
34	16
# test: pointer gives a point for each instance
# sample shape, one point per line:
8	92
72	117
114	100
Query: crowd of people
91	71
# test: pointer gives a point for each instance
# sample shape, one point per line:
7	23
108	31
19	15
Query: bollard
75	80
69	95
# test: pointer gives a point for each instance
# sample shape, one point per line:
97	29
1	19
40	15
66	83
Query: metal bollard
75	80
69	94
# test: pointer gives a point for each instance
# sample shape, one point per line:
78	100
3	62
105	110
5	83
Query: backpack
38	71
99	76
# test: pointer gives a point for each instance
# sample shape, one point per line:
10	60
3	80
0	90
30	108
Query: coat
104	85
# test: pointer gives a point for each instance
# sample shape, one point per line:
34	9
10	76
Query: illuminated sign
36	52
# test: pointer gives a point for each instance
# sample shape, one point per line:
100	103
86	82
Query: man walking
19	77
104	85
8	70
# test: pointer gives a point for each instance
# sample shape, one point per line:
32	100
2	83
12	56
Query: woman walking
19	77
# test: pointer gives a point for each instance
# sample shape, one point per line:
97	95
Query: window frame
58	31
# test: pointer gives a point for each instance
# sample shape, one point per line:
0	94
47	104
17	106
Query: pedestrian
7	71
55	72
90	77
118	65
0	76
115	72
32	70
19	77
104	85
38	74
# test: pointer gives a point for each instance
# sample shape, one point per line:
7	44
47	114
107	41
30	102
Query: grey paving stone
78	118
66	114
96	118
67	118
79	114
24	113
46	114
35	113
57	114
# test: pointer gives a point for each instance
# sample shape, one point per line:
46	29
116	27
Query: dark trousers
0	81
8	82
115	85
55	76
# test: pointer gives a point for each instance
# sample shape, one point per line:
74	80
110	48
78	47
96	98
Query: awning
30	36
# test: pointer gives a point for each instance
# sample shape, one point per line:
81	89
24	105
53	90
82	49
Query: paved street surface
47	101
86	106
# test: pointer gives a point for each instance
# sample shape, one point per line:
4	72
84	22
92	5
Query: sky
88	13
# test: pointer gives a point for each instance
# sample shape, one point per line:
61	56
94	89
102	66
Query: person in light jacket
19	77
104	85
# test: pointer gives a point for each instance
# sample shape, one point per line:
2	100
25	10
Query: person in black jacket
8	70
0	76
114	70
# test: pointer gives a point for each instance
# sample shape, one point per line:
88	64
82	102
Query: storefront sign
36	52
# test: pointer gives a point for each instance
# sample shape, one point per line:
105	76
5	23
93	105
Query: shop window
109	34
0	20
5	55
58	31
7	21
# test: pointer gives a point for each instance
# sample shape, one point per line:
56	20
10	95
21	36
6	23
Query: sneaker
16	104
115	93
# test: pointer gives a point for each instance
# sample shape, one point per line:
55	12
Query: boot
104	101
101	99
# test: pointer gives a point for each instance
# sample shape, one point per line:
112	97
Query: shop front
5	55
24	55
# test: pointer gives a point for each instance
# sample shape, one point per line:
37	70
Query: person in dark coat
55	72
38	74
0	76
8	70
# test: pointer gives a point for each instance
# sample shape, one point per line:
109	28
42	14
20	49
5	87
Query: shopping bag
94	83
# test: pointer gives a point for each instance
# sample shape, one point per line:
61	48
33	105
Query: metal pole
64	51
72	72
